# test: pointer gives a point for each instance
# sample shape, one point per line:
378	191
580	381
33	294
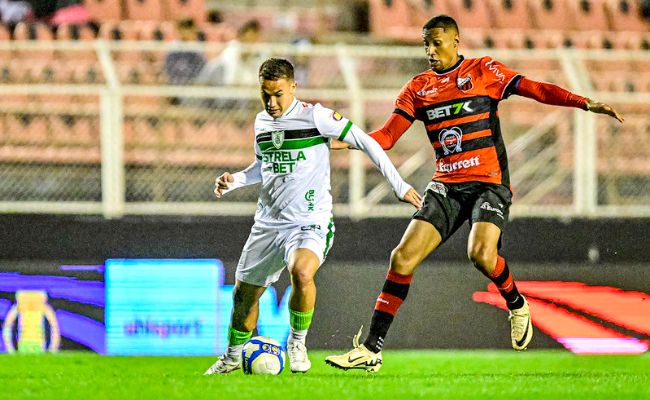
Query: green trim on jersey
345	130
294	144
328	239
258	157
294	106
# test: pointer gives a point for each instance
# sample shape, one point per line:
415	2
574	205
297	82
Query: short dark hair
442	21
276	68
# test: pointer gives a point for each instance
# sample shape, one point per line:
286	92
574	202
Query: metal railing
124	140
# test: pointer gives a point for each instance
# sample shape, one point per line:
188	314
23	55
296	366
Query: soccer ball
262	356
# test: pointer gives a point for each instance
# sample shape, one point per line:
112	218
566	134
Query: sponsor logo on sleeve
498	75
336	116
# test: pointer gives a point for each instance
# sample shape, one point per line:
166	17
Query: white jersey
293	165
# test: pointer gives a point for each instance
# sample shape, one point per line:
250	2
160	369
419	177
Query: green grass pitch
405	375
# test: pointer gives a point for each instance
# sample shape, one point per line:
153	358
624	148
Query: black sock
392	296
506	285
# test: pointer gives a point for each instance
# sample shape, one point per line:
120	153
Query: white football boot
224	365
521	328
298	359
358	358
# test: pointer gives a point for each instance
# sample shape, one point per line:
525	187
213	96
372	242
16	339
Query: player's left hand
602	108
414	198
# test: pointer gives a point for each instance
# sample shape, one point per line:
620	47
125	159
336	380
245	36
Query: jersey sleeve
499	81
330	123
249	176
405	103
344	130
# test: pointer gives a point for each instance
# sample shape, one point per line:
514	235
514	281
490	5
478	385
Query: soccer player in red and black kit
457	101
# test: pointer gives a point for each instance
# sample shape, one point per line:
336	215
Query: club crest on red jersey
465	84
451	139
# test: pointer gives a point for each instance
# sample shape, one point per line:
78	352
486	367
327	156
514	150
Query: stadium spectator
236	65
293	225
457	101
13	12
301	60
182	65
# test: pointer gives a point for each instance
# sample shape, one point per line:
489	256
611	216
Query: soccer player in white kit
293	224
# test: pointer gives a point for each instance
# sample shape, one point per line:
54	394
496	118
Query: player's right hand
413	197
602	108
221	183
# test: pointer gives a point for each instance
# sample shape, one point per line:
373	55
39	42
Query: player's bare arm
221	183
602	108
338	145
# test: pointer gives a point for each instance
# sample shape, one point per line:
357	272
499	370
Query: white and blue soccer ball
262	356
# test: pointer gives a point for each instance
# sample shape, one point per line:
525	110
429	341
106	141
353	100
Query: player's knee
402	262
482	256
301	278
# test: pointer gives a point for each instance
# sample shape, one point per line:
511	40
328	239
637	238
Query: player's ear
456	40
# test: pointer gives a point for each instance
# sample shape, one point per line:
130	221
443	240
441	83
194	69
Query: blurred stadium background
112	133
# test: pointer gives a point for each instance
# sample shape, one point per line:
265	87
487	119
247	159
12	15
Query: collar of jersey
448	70
291	108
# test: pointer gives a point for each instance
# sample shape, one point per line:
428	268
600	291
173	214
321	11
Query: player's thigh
442	210
489	218
419	239
307	246
262	259
303	264
482	244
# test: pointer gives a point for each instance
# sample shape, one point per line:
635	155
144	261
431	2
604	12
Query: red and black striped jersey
459	110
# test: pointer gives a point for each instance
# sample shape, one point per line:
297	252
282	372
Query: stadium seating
145	10
588	15
187	8
471	13
104	10
388	15
72	32
511	14
551	15
624	15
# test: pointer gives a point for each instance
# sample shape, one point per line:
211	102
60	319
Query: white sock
234	351
297	336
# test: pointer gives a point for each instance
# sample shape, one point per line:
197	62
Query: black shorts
448	205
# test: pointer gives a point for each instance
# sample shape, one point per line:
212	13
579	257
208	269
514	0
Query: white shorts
267	250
